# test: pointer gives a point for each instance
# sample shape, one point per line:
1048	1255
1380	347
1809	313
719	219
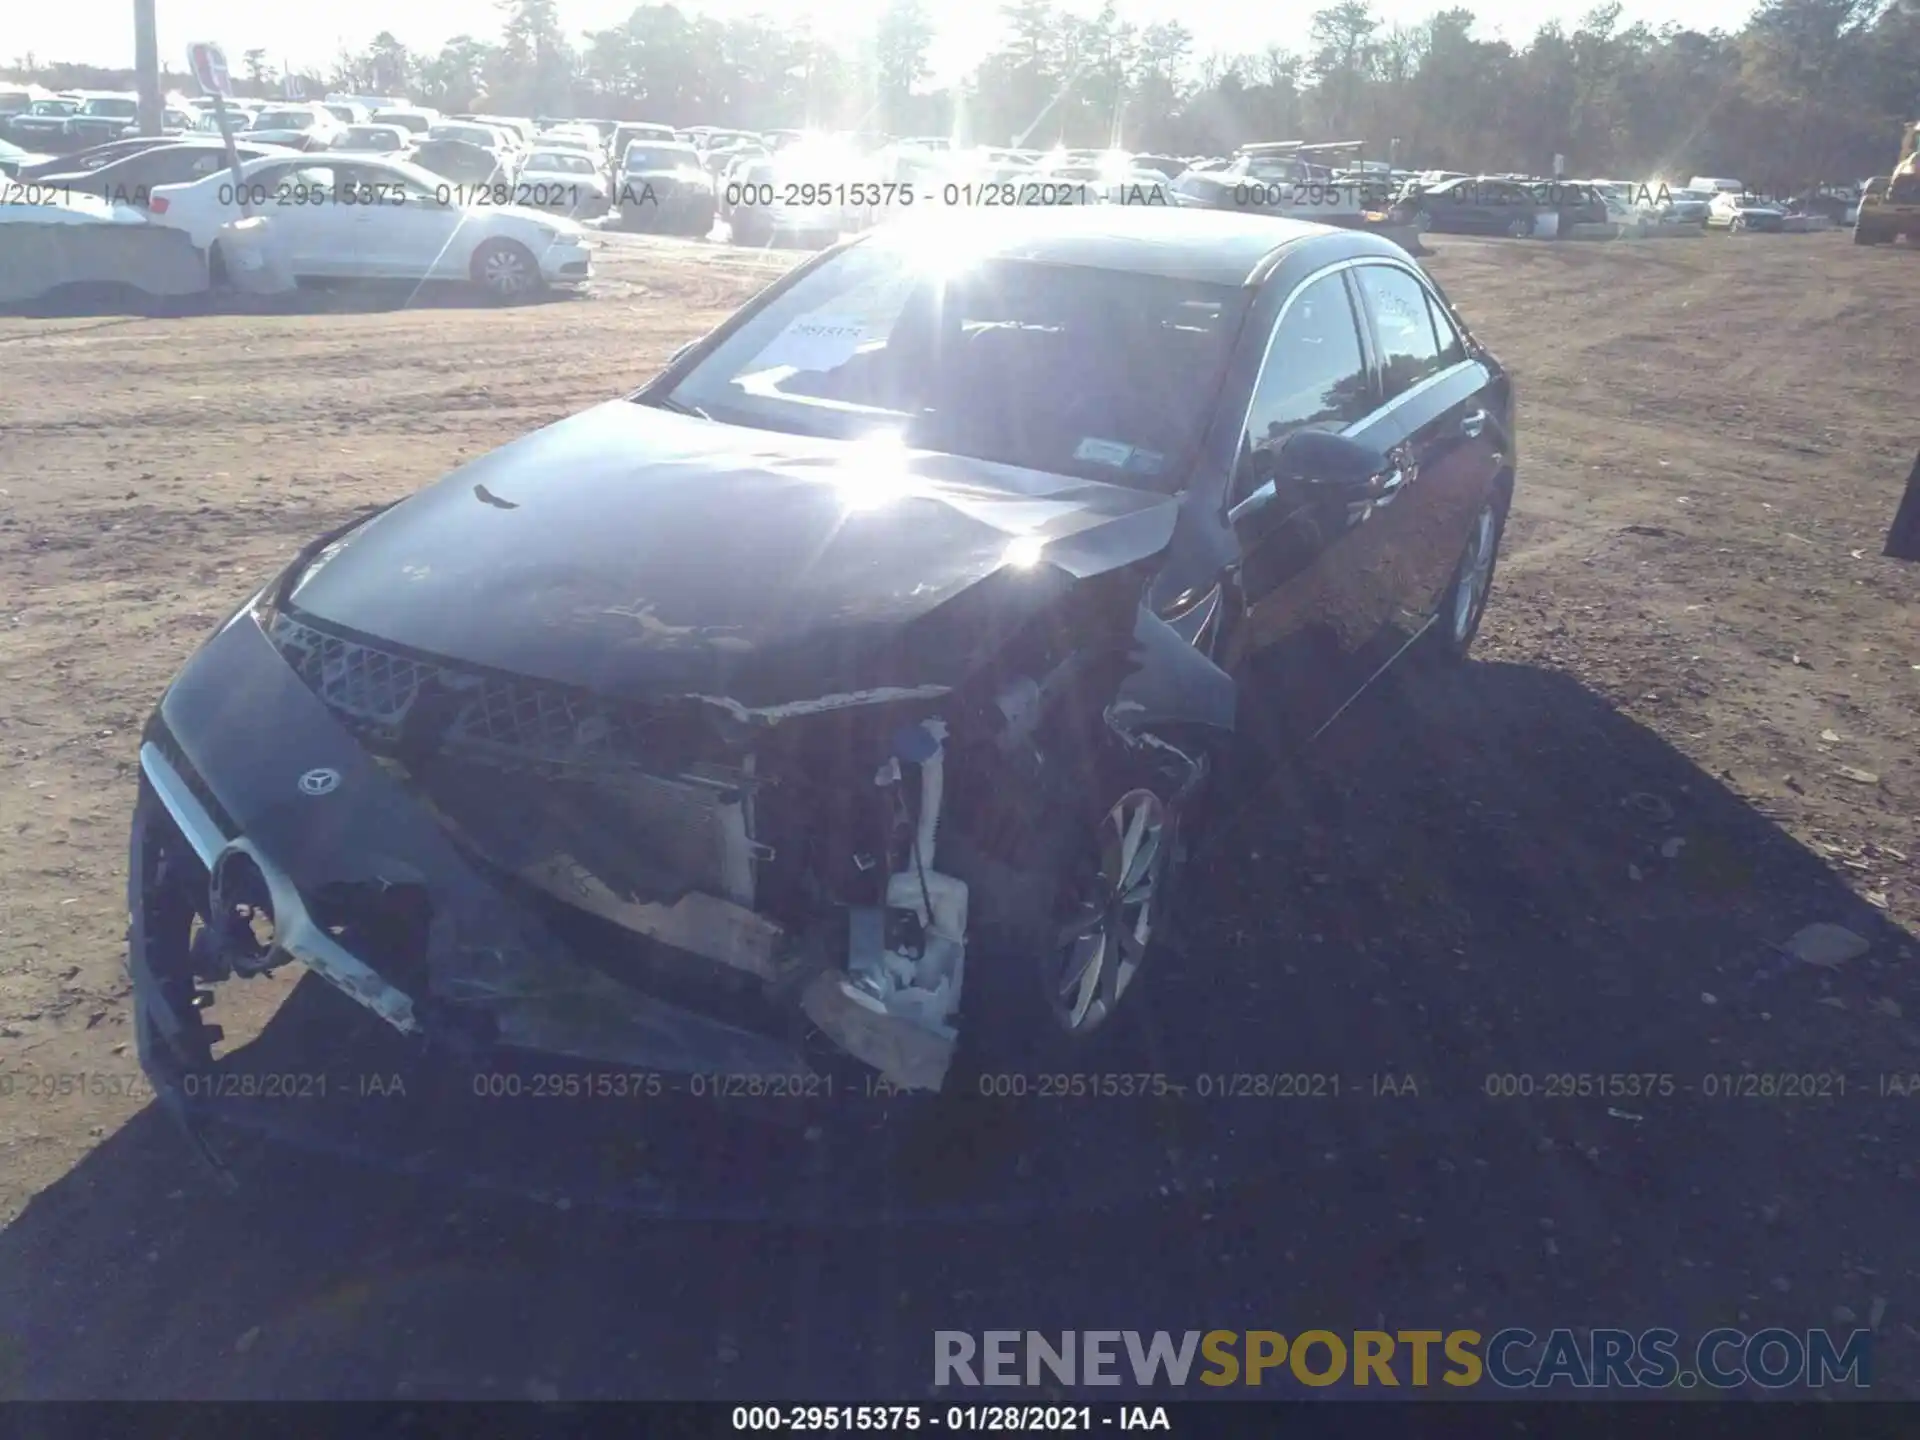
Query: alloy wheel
1101	947
505	272
1476	574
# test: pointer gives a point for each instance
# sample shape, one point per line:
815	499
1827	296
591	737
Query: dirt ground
1691	730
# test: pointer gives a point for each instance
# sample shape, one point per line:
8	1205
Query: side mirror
1323	457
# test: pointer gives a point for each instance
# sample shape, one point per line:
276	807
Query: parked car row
809	186
334	214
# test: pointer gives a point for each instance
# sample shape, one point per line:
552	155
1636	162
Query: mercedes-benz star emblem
319	782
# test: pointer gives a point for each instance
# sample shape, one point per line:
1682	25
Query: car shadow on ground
1469	917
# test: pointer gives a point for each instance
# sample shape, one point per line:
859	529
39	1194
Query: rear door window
1410	349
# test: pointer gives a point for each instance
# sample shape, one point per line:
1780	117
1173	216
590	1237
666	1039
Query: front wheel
1520	227
751	229
506	270
1045	993
1421	223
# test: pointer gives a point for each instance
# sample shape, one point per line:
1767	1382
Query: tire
752	229
507	271
1862	237
1450	637
1021	1009
216	266
1520	227
1736	226
1421	223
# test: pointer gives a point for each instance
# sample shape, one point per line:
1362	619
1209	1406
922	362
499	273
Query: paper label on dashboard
819	342
1103	452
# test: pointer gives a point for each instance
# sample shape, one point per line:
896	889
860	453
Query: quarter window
1315	375
1453	349
1409	347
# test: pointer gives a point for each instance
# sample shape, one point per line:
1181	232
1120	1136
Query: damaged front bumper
269	833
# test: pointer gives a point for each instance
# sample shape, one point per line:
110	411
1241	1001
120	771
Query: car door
1310	608
405	231
297	199
1442	420
1455	206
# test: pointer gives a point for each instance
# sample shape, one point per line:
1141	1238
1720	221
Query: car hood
642	554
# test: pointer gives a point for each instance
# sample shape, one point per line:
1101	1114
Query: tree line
1808	89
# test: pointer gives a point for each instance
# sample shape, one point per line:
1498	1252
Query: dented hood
639	552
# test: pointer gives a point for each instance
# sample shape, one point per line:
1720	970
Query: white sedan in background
359	217
562	181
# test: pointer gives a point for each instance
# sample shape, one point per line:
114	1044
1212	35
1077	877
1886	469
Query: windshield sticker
1146	462
815	343
1104	452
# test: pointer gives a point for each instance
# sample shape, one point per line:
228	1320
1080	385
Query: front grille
371	689
374	690
687	824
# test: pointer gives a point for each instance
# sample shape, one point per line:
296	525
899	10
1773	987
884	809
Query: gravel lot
1690	731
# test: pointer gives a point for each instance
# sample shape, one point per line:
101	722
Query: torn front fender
1172	684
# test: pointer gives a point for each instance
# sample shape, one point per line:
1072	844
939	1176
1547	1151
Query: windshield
404	119
53	107
557	162
118	109
283	120
660	157
1103	374
373	136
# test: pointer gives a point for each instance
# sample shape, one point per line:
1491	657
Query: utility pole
146	65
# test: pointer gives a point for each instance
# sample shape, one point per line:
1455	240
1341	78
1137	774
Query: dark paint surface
641	552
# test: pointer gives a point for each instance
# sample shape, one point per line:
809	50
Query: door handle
1472	425
1380	491
1390	484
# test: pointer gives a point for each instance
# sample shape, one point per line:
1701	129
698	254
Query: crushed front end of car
653	877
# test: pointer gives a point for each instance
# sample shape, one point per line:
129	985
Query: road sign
296	88
208	62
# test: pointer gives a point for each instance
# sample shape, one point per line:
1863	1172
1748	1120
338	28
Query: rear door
1443	409
297	199
1310	607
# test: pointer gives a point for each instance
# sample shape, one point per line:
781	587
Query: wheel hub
504	271
1104	940
1475	574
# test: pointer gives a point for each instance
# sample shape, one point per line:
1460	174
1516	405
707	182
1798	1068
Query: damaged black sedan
846	697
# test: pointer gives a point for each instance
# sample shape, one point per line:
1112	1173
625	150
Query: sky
311	35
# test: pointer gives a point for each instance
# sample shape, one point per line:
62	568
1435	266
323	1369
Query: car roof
1215	247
